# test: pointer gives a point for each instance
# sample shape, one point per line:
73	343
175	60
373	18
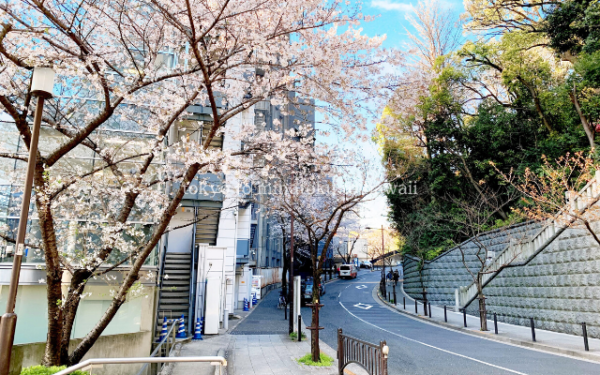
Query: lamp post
291	271
41	86
383	289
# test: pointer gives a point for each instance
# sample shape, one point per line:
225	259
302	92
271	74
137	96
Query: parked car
308	290
348	271
365	264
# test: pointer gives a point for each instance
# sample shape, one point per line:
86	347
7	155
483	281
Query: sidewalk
210	345
273	355
258	344
554	342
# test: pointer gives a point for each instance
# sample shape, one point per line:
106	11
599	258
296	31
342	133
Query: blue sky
392	22
392	18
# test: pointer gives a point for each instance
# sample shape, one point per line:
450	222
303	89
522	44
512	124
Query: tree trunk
54	298
589	132
482	308
316	299
55	317
284	283
71	305
537	104
383	279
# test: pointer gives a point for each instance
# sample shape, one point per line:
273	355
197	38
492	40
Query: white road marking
434	347
363	306
361	287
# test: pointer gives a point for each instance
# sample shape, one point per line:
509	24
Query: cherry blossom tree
563	192
320	190
127	71
350	232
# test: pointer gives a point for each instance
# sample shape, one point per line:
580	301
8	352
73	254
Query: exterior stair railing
520	253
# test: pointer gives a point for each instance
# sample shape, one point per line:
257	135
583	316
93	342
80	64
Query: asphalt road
421	348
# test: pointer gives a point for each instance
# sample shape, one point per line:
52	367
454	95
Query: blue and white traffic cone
198	331
181	332
254	300
246	304
163	331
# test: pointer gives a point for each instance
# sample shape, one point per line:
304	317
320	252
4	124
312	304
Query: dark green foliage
531	117
508	138
573	26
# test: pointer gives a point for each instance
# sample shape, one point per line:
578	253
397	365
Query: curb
492	337
184	341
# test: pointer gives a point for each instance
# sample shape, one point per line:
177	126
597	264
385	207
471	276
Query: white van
348	270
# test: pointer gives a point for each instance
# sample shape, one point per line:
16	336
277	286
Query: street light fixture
41	86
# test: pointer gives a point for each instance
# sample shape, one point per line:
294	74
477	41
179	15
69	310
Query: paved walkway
265	318
520	335
273	355
258	344
209	346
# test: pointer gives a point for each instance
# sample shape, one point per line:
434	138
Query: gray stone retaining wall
442	275
559	288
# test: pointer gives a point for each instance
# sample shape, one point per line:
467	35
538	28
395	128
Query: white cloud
391	5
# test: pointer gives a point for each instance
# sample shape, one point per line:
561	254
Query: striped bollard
181	332
246	304
254	300
163	331
198	331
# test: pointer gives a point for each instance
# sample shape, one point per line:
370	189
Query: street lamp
41	86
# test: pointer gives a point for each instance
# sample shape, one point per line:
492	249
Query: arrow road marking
361	287
363	306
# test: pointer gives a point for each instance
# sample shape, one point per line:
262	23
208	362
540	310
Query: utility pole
291	283
42	83
383	260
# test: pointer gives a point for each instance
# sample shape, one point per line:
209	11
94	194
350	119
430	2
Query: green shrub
294	336
325	360
43	370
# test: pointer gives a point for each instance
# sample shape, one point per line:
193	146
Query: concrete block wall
559	288
447	272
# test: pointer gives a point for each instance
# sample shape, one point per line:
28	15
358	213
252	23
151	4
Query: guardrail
371	357
214	360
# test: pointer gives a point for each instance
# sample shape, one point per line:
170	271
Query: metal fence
372	357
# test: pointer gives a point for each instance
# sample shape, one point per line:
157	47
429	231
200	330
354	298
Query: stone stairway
174	297
520	253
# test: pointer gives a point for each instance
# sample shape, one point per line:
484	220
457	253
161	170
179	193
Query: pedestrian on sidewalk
396	277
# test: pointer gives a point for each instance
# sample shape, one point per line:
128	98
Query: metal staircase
520	253
207	228
174	295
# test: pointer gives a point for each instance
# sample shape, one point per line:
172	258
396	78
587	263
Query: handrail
157	349
214	360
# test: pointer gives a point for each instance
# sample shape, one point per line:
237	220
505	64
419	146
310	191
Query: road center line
434	347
